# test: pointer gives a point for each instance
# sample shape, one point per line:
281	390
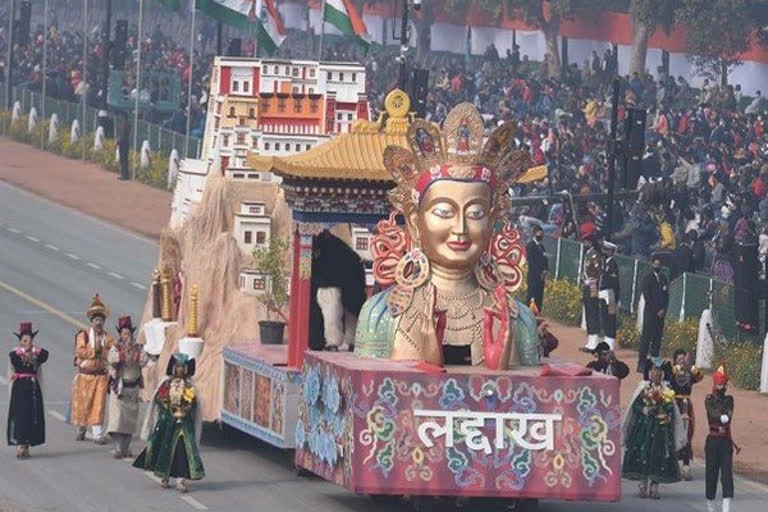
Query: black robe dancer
26	416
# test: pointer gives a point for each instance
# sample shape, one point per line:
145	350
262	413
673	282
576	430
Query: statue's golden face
453	222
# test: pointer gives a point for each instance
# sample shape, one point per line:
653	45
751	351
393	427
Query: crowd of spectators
706	154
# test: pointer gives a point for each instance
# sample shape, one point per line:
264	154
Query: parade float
392	417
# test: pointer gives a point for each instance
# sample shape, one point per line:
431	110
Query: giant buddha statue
451	300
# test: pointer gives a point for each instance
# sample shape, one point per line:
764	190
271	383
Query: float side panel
380	449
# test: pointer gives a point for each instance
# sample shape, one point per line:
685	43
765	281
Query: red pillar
300	290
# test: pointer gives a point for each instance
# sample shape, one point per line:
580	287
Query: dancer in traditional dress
89	389
174	421
684	376
26	416
126	359
719	446
607	363
652	433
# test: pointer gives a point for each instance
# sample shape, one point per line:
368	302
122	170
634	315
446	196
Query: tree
548	15
718	33
646	16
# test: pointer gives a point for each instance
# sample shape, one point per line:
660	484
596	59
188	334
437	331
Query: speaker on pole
235	47
119	48
745	284
634	145
24	23
419	88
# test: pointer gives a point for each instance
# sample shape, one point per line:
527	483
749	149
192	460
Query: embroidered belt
132	384
23	376
88	371
719	431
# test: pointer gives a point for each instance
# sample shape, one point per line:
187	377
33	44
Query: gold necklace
459	307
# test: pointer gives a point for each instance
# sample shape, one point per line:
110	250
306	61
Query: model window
295	71
277	70
361	244
330	75
247	237
254	142
261	237
252	113
235	86
312	72
339	116
307	147
281	104
297	106
277	146
313	106
349	117
241	138
264	104
341	77
246	86
298	147
266	146
231	111
354	77
225	140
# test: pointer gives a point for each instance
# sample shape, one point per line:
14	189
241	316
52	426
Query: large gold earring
412	270
487	273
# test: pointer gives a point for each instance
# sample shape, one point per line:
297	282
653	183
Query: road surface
52	261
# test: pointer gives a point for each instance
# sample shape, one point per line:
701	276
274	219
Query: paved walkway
145	210
86	187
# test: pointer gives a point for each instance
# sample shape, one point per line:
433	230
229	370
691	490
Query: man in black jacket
655	290
683	258
538	266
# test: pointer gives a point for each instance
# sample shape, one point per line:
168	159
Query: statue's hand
431	349
496	347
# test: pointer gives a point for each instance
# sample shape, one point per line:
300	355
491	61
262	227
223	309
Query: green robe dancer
652	433
172	446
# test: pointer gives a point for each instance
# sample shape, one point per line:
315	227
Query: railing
689	294
161	140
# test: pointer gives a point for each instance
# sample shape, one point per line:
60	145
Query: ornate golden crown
455	153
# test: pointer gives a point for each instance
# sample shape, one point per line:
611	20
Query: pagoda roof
356	156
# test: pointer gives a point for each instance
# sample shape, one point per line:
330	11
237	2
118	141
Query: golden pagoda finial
192	318
165	283
397	104
157	311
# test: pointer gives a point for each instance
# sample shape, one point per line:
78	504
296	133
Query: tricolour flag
343	15
248	14
271	31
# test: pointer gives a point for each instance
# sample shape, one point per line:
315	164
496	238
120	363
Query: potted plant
271	262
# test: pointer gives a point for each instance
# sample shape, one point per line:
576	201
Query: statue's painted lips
461	246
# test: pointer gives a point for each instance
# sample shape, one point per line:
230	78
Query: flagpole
189	84
84	126
138	89
322	31
45	70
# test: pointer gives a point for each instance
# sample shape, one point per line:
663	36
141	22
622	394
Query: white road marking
94	266
116	276
57	415
152	477
52	247
13	230
32	238
138	285
73	256
194	503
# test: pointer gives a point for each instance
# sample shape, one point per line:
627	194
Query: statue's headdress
455	153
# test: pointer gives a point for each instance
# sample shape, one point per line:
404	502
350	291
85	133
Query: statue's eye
443	211
476	213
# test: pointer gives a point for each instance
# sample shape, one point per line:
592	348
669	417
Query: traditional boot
653	491
164	484
711	507
19	452
685	473
25	451
180	485
727	504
